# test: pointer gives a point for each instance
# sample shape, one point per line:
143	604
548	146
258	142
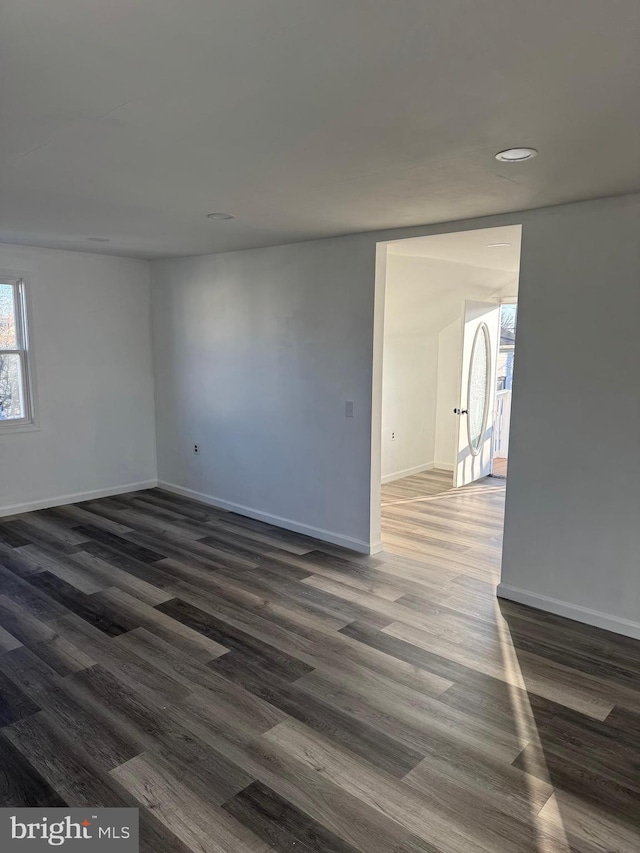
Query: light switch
348	409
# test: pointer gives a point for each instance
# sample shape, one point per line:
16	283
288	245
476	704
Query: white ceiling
472	248
132	119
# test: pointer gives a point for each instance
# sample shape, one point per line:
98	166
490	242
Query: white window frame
23	351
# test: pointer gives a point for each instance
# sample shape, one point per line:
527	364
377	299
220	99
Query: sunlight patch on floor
527	733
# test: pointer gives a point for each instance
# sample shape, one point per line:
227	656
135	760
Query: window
15	396
508	323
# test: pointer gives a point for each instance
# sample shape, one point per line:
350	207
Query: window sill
9	429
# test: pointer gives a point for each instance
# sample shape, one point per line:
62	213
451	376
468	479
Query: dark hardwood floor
250	689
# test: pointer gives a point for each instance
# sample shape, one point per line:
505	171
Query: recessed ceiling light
497	245
99	239
516	155
220	216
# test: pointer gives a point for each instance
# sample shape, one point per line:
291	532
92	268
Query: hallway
423	516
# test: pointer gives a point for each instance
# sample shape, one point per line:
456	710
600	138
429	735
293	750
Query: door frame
380	282
504	300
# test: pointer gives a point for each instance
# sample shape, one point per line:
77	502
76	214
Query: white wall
90	330
572	537
256	354
408	411
448	394
410	372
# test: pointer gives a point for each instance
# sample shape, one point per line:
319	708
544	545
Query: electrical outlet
393	436
196	448
348	409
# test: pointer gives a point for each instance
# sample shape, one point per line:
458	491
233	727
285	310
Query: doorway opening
448	352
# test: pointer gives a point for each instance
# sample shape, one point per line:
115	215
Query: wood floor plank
12	534
34	532
204	770
543	677
30	673
191	672
106	575
422	613
199	824
481	779
21	786
379	588
119	660
276	662
182	506
415	720
106	744
68	771
42	639
62	656
75	515
230	706
12	560
230	600
125	709
340	609
281	825
7	641
66	766
87	607
154	619
499	822
21	624
345	815
588	784
251	689
49	530
206	623
197	552
14	702
121	543
138	521
391	798
264	534
30	599
590	822
605	656
322	648
61	567
346	729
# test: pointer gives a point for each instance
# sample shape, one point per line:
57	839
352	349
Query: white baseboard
358	545
572	611
418	469
398	475
61	500
444	466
